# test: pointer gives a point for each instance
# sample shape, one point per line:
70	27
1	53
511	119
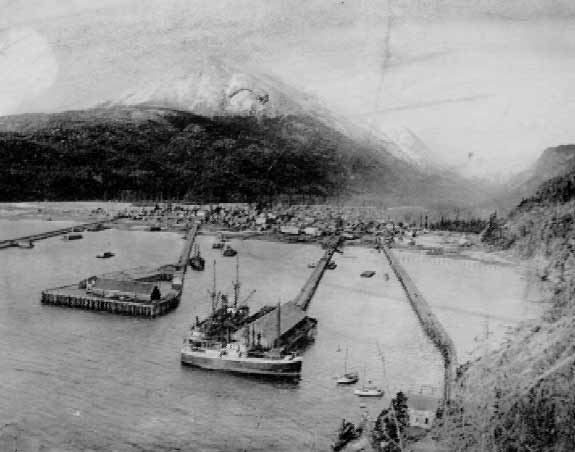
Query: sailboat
369	389
349	377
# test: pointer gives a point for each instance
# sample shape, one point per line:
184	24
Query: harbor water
76	380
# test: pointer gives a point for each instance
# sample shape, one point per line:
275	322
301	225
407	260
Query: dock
73	297
29	239
430	323
142	291
307	292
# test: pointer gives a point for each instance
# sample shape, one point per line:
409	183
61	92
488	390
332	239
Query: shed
132	290
266	327
422	409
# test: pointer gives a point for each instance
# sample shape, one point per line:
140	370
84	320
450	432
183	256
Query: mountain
406	145
217	134
554	161
219	89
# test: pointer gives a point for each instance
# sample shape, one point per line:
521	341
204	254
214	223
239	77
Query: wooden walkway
307	292
46	235
185	254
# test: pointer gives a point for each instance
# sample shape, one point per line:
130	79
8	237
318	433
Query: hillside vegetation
522	397
145	152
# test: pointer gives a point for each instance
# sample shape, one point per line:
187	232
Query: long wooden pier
185	254
46	235
431	325
307	292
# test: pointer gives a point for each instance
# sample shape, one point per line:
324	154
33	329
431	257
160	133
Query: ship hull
246	366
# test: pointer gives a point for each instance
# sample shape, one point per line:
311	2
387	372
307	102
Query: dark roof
136	287
421	402
290	315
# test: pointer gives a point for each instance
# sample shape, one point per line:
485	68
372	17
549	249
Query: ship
229	251
266	344
72	237
218	245
105	255
197	262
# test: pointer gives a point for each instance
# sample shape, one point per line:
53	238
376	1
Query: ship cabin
135	291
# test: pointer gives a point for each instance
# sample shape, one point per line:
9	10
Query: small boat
367	274
331	266
311	265
72	237
218	245
197	262
105	255
369	390
349	377
229	251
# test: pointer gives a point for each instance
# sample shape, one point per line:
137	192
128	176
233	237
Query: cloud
27	67
428	104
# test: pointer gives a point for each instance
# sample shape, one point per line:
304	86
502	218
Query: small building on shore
422	410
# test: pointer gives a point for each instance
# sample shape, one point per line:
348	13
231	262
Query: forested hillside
146	152
522	397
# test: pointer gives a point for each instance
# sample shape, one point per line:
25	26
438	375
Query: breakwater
431	325
306	293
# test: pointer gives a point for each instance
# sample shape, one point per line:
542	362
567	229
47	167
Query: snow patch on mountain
405	145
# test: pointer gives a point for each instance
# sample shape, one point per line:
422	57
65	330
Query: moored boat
233	340
369	390
73	237
197	262
348	377
229	251
367	274
331	266
25	244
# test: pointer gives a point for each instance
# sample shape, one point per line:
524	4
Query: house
131	290
313	231
421	409
289	229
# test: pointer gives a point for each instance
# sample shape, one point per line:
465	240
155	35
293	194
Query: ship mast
213	291
237	283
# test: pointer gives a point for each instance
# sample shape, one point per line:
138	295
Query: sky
485	84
